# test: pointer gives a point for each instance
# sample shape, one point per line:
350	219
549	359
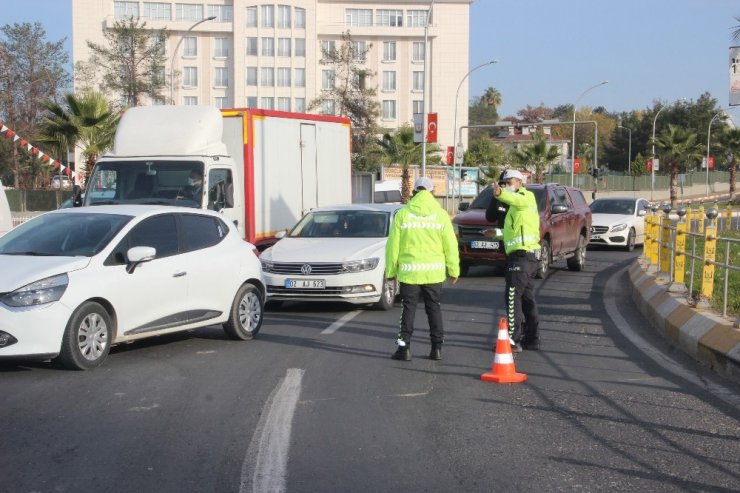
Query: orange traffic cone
503	370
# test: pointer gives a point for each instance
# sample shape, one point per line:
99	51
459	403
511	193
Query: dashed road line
339	323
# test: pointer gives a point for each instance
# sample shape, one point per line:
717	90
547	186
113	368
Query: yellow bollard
679	258
700	216
665	238
728	217
710	252
655	234
689	214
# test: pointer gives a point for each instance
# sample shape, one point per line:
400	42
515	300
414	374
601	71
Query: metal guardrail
665	249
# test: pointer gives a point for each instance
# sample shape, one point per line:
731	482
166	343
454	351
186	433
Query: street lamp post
454	125
709	135
174	53
424	98
629	150
652	168
573	141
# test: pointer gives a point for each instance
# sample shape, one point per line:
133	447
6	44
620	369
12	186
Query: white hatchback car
618	221
76	281
333	254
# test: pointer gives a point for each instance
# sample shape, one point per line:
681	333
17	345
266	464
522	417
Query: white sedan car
76	281
333	254
618	221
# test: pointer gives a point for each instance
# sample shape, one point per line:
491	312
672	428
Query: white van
387	192
5	221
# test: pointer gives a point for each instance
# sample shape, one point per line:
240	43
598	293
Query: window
327	107
190	100
300	18
417	51
268	15
222	13
416	18
300	47
385	17
283	104
418	107
124	10
268	77
283	77
221	47
389	109
358	17
328	48
299	79
221	102
220	193
327	79
251	76
221	78
190	76
252	16
200	232
159	232
389	51
188	12
268	46
284	46
158	76
418	81
190	46
267	103
157	43
157	11
359	50
300	105
389	80
252	47
251	101
283	20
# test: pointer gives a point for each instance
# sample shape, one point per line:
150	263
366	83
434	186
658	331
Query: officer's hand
454	280
496	189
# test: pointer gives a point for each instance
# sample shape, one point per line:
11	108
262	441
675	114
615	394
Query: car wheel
630	241
388	295
87	338
464	269
543	266
578	261
245	318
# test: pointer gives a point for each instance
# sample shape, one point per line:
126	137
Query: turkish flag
711	162
577	166
432	128
450	155
650	164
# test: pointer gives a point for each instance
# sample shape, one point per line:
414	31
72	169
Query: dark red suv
565	222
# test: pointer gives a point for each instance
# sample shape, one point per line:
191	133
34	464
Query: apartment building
267	54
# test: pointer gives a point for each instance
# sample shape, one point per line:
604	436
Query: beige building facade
267	54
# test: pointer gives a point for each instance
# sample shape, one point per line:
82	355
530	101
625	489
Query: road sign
656	164
459	153
418	128
432	128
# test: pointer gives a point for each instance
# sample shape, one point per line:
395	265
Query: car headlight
37	293
619	227
456	229
360	265
267	265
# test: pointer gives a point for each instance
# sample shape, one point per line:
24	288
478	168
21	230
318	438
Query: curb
707	337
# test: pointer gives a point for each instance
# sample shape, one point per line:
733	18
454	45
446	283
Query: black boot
436	352
403	353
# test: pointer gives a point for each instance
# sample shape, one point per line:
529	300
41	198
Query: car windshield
485	196
622	207
63	235
342	224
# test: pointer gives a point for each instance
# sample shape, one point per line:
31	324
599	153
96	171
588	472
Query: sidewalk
708	337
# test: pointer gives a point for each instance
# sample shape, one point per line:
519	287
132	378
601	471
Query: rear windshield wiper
30	253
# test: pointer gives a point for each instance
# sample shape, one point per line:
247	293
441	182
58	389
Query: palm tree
400	149
537	155
730	144
677	146
492	98
736	30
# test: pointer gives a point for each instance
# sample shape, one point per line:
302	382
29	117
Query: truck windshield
146	182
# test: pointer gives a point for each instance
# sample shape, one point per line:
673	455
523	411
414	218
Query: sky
551	51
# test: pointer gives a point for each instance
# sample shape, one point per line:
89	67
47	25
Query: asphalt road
315	404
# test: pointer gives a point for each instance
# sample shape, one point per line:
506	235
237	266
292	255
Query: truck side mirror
559	209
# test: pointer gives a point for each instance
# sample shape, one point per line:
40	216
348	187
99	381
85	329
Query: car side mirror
559	209
463	206
139	255
77	196
641	212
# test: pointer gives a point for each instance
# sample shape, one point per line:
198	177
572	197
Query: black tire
87	338
630	246
246	315
543	266
387	295
464	269
578	261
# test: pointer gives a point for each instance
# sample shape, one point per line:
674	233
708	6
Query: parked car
76	281
618	221
333	254
63	182
565	221
6	221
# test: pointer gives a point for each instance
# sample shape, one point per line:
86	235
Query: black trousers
430	293
521	307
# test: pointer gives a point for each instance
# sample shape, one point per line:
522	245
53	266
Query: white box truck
262	169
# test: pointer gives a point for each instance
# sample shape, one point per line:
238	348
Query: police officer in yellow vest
522	245
421	251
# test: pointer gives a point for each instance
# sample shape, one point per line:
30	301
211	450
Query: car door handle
179	274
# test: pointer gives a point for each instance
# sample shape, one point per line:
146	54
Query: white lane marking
266	463
668	363
339	323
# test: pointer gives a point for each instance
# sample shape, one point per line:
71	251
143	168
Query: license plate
487	245
305	283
